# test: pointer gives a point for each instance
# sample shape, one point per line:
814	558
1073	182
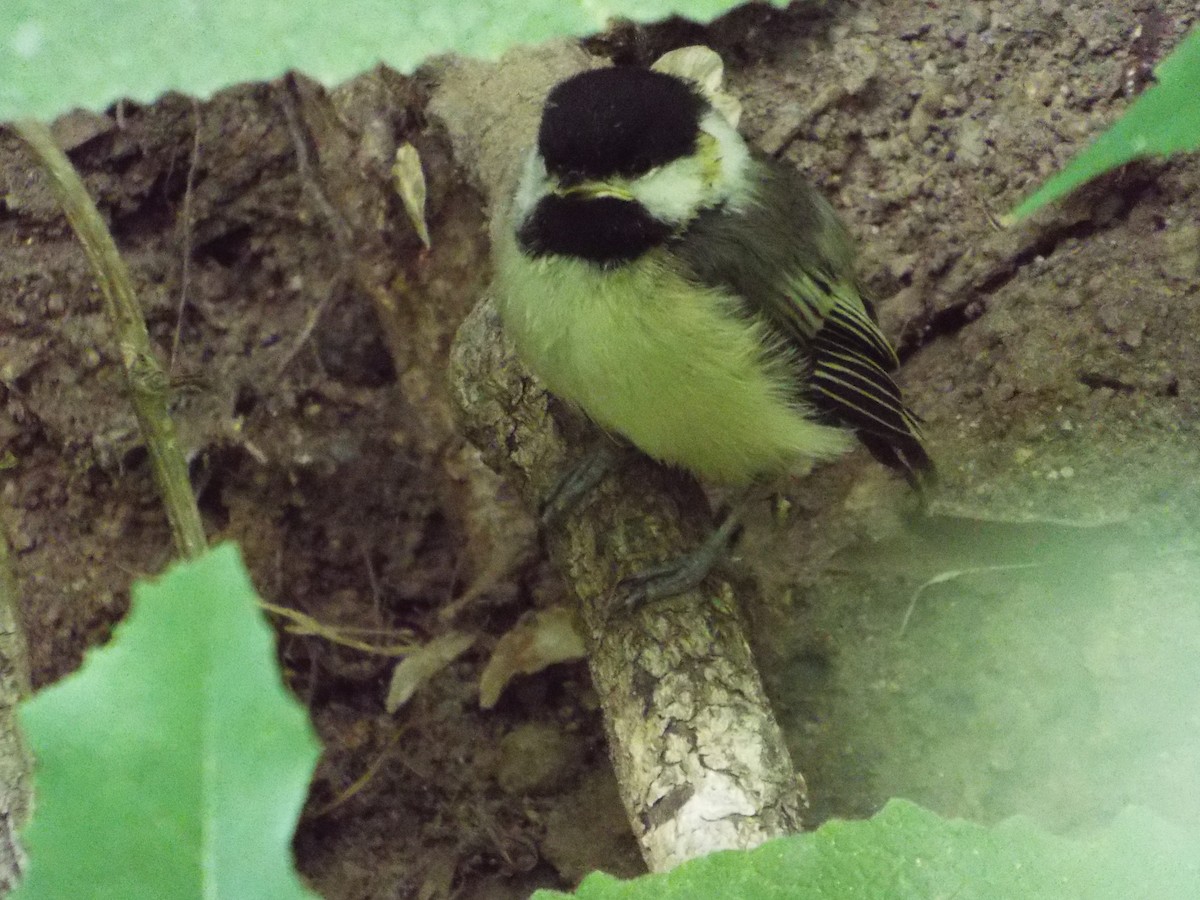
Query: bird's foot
578	481
679	575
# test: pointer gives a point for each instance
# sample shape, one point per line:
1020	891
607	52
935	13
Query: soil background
1031	648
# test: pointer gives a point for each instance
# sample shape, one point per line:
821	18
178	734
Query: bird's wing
790	260
850	380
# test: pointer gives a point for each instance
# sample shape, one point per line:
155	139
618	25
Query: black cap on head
618	121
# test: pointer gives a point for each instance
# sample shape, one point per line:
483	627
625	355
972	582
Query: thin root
943	577
303	624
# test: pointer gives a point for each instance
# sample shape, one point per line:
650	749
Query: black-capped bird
691	294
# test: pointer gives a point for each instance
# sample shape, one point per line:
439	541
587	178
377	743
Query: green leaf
174	763
1163	120
58	54
909	852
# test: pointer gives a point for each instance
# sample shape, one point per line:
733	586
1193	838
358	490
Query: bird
691	294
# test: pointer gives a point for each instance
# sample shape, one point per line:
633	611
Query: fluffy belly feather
673	369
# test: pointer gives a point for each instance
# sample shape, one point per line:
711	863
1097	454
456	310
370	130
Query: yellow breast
675	369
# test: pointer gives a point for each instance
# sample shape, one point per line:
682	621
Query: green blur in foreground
1163	120
909	853
70	53
174	763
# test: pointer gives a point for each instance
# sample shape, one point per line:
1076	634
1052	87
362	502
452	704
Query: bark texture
699	757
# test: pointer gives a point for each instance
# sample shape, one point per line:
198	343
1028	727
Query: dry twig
148	382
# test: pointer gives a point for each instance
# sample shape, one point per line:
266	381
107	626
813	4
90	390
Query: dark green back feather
791	261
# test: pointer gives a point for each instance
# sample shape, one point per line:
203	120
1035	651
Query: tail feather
852	385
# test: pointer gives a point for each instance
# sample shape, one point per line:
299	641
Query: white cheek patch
718	173
733	184
674	192
532	187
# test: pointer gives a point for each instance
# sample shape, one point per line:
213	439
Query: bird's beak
593	190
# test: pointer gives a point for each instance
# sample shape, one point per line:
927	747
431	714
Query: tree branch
699	757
